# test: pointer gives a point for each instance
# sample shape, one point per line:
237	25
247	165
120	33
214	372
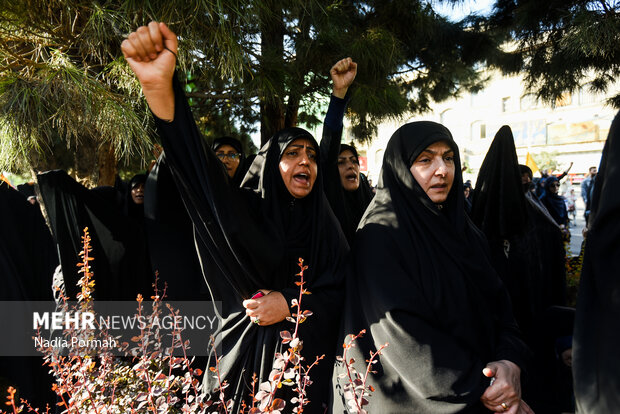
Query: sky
465	7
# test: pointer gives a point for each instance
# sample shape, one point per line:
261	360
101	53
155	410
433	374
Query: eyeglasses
233	156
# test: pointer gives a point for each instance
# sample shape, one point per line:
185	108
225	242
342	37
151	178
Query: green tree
560	44
546	160
408	56
68	99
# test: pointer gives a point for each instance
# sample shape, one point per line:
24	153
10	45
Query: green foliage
561	43
546	160
64	83
66	94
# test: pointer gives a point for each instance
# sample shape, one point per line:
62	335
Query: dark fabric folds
170	235
27	262
527	252
120	253
498	207
596	360
423	283
27	253
526	247
252	238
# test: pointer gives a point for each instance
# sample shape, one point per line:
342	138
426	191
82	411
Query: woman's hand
267	310
504	394
151	54
343	74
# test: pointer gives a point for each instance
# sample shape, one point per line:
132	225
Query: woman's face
349	167
229	157
434	171
554	187
298	167
137	193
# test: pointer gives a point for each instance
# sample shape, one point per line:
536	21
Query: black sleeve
220	213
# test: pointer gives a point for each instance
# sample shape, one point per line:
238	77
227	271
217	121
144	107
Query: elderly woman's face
298	167
434	171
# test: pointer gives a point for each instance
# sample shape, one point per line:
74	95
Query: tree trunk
107	165
272	68
292	109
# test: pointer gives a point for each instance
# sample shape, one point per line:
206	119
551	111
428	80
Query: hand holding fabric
151	54
267	310
504	394
343	74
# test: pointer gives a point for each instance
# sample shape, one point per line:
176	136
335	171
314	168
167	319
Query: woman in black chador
596	362
249	239
527	251
555	202
346	189
423	283
230	152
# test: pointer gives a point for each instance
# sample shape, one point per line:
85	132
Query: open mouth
351	177
439	186
302	178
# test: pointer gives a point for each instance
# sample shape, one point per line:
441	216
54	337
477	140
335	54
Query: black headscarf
130	208
251	238
243	166
499	203
596	360
499	210
554	202
526	249
423	282
348	206
355	202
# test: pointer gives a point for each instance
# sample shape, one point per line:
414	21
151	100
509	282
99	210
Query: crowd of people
466	283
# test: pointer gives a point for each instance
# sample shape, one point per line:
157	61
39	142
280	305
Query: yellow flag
6	180
529	161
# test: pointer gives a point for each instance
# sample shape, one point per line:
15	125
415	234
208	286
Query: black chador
423	283
348	206
526	247
251	238
120	253
596	360
27	262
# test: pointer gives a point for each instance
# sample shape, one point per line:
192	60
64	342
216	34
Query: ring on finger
256	321
504	406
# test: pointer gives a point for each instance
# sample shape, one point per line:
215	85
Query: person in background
586	191
467	193
230	152
555	202
346	189
540	184
571	206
